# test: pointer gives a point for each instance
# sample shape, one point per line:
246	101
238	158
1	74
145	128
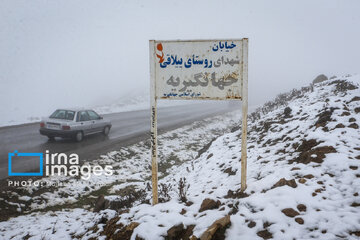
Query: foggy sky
85	53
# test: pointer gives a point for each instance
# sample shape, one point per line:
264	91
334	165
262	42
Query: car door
96	120
85	122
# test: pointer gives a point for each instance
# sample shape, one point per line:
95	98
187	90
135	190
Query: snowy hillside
303	176
303	179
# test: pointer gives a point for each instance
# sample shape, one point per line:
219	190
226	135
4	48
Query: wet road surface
127	128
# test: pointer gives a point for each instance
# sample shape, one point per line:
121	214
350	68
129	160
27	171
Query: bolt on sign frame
198	70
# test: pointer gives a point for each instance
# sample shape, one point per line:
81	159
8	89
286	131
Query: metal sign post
153	127
244	71
198	70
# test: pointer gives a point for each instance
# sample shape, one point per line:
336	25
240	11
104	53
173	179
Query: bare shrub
183	187
164	190
287	112
129	199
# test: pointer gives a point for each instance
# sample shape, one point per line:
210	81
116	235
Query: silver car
71	123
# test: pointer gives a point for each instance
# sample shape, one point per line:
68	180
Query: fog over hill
87	53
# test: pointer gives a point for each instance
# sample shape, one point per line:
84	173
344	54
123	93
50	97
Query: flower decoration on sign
159	47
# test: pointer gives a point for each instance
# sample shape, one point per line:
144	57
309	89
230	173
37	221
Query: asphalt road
127	128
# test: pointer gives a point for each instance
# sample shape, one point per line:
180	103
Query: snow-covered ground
131	163
303	179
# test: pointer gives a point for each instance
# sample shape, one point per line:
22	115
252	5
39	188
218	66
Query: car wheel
79	136
51	138
106	130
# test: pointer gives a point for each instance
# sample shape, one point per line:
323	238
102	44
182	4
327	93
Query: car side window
83	116
70	115
93	115
63	114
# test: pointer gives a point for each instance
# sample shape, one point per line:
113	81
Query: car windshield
63	114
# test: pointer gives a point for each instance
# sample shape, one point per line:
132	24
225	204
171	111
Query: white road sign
199	69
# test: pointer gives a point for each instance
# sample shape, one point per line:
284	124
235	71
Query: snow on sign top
199	69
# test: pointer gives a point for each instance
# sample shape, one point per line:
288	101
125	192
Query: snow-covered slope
303	179
316	151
